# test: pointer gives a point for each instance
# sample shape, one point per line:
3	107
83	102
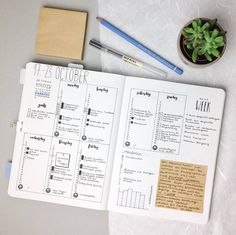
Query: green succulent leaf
190	38
214	46
188	30
202	51
215	52
199	22
194	24
185	34
208	56
219	44
215	33
203	43
209	51
205	26
195	43
195	55
207	36
219	39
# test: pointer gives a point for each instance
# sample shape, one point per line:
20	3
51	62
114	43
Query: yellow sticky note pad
61	33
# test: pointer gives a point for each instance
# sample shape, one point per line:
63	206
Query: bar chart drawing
131	198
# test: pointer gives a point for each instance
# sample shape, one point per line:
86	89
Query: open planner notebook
110	142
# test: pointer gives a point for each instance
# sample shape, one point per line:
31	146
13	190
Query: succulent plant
204	38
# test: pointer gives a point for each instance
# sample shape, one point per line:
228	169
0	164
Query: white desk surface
157	24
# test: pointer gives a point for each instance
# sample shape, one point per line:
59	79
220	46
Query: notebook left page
66	136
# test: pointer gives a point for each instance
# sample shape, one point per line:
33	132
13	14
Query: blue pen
139	45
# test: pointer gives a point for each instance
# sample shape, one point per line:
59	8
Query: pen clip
95	43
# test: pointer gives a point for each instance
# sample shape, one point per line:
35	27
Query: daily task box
160	164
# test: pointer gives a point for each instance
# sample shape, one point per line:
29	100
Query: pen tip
99	18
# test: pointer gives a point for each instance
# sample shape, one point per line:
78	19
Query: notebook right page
166	151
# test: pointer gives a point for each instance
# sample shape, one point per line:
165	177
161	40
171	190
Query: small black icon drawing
56	133
48	190
127	143
20	186
75	195
154	147
84	137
